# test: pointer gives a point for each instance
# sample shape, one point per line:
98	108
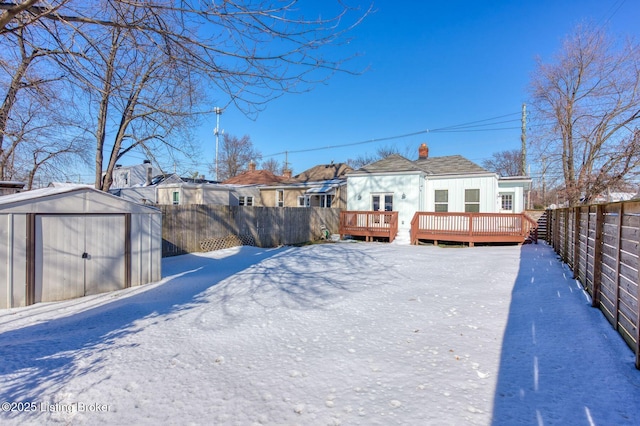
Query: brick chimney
252	166
423	151
286	173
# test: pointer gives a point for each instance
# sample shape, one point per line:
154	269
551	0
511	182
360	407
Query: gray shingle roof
392	163
453	164
324	172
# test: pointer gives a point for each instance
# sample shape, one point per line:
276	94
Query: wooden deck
473	227
369	224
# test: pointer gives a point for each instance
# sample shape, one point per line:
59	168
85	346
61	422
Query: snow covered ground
347	333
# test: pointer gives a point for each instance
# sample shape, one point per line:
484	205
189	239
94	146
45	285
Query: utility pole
523	139
216	132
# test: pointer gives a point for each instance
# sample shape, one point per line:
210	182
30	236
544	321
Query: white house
132	176
432	184
68	242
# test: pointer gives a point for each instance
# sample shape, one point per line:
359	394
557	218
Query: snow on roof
6	201
40	193
327	188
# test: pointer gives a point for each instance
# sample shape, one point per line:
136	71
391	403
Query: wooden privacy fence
601	244
472	227
184	227
369	224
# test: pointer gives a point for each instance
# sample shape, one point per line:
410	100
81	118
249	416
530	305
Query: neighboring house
145	194
246	186
146	185
67	242
193	193
138	183
324	185
433	184
133	176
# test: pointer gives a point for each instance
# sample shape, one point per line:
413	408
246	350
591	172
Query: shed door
78	255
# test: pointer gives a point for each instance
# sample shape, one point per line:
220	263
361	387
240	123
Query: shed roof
81	199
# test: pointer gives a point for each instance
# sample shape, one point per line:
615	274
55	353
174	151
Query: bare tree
274	166
18	14
35	134
505	163
145	67
235	155
587	105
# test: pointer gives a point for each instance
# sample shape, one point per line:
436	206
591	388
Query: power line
478	121
606	20
457	128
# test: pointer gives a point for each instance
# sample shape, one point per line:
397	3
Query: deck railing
369	224
472	227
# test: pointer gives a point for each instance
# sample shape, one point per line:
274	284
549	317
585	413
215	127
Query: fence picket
608	236
185	226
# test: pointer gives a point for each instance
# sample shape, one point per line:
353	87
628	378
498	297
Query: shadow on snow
47	354
559	354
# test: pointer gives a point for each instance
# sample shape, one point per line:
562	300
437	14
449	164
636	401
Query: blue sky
430	65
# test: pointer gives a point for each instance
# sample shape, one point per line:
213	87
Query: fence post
576	242
617	271
586	247
597	256
556	230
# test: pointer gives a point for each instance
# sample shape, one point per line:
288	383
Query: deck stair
542	226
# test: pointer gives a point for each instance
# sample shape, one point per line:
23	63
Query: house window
382	202
175	197
304	201
325	200
507	202
245	200
279	197
441	197
472	200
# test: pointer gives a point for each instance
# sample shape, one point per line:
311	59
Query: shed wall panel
146	249
105	246
6	260
59	263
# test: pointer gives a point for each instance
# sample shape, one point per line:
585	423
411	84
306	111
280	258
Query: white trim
410	172
278	192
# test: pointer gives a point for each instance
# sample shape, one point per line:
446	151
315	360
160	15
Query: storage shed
63	243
